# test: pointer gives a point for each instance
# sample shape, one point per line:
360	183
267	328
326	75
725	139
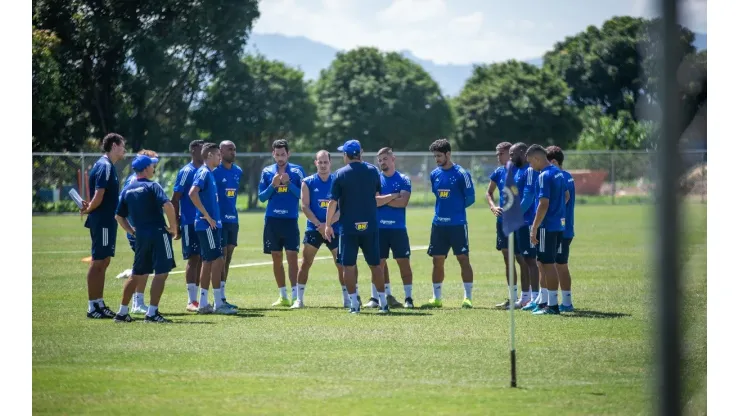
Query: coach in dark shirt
355	187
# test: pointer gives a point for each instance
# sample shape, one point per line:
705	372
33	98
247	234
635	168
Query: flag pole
512	300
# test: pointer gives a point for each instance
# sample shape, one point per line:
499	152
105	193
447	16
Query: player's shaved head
228	151
517	153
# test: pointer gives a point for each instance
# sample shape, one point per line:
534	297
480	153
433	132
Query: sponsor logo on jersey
361	226
281	189
230	192
443	193
324	203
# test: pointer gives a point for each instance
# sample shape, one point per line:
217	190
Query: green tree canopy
514	101
381	99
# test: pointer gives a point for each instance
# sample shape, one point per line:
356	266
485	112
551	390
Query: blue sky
454	31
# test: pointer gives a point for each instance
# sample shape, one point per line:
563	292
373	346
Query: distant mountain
311	57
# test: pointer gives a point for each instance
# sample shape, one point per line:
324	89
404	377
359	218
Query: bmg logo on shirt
230	192
324	203
282	189
443	193
361	226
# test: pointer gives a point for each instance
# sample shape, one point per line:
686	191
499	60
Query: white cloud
425	27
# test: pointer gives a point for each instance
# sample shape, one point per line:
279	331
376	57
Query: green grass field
321	360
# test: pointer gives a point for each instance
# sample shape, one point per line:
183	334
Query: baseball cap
351	147
142	162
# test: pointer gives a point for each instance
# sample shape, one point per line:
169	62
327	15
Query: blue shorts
396	240
502	240
315	239
103	242
450	236
189	240
563	251
131	242
281	233
210	249
350	245
547	245
524	246
153	253
229	233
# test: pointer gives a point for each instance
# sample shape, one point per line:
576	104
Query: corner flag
513	216
512	221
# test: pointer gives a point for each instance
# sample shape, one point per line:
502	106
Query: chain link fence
601	177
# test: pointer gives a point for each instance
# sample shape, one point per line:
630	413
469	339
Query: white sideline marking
269	263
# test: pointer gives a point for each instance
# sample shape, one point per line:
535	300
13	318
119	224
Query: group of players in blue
358	207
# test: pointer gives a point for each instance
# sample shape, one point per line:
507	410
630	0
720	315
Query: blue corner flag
513	216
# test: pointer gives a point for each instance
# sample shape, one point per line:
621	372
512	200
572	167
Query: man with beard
454	192
395	190
228	176
280	187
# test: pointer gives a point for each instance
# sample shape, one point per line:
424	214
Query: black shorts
315	239
563	251
502	240
279	234
524	246
153	253
350	245
450	236
103	242
210	247
189	240
229	233
395	240
547	245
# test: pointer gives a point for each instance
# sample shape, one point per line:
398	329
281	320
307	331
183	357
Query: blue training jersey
354	188
103	175
282	201
454	191
227	182
552	187
319	191
208	194
499	178
388	216
183	183
131	178
526	182
570	206
142	201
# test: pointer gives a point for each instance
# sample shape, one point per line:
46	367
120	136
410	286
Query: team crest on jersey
281	189
443	193
230	192
324	203
361	226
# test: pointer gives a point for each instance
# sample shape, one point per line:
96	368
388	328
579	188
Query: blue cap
142	162
351	148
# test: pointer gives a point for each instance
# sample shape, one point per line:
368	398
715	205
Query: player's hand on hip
211	222
533	236
497	211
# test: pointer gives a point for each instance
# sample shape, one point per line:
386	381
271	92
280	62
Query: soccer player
101	220
204	195
280	186
556	157
354	188
139	307
144	201
395	189
498	181
526	252
185	212
315	191
228	176
454	191
549	223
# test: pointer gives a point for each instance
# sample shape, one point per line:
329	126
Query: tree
141	64
514	101
381	99
613	66
257	101
604	132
